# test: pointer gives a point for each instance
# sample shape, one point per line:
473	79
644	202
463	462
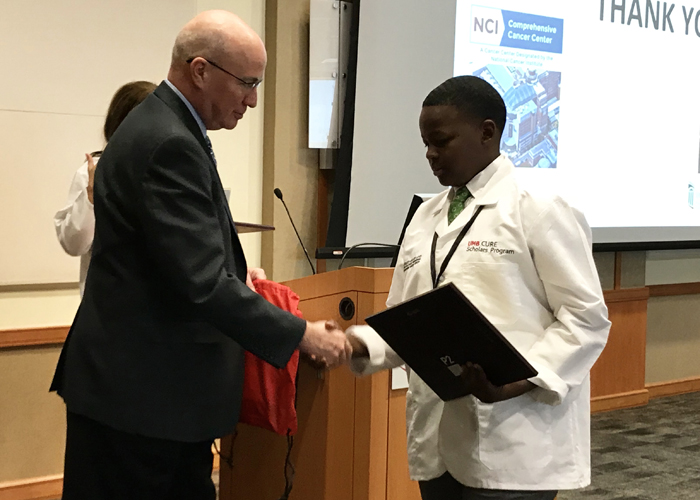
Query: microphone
278	193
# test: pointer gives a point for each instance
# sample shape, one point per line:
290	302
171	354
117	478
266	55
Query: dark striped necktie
211	149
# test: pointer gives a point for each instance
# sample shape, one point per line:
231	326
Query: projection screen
602	101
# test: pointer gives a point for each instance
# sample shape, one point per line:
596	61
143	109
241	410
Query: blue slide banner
532	32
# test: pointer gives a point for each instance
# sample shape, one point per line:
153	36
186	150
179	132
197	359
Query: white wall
67	60
33	113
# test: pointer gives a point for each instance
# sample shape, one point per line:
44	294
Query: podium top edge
351	279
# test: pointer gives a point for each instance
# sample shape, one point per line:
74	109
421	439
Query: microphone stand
278	193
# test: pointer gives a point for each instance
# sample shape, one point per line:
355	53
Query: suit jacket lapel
166	94
225	203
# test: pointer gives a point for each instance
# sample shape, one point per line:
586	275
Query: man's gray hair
192	43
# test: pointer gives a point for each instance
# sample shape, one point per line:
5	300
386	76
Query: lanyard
452	251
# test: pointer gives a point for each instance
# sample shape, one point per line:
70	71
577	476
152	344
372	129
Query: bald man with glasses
152	369
247	84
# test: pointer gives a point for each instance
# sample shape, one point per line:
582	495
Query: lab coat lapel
487	187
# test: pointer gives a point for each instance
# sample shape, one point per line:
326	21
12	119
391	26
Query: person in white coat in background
75	222
526	263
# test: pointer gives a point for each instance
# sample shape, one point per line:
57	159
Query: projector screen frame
635	246
345	214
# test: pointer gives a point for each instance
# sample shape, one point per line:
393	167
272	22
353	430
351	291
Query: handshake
327	345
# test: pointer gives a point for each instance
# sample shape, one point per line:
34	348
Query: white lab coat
527	264
75	222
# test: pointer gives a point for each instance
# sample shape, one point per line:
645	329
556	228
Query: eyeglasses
246	84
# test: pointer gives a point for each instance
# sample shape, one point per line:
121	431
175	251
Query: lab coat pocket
515	434
493	287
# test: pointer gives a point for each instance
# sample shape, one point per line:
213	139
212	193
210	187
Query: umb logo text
486	25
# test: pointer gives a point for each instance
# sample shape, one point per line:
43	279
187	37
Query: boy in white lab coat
533	277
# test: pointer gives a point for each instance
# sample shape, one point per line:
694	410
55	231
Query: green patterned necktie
457	203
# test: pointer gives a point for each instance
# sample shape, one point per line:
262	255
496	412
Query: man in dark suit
152	370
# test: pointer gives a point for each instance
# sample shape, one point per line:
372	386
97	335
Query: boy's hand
480	387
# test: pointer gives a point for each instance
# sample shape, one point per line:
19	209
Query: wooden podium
351	443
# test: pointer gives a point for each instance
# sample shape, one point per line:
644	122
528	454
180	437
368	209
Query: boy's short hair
471	95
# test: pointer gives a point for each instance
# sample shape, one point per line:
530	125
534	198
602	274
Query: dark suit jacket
156	347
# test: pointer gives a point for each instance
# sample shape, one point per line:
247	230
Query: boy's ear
488	130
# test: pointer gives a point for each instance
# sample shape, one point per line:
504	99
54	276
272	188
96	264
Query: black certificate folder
437	332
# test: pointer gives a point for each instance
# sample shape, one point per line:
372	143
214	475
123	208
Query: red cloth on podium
269	393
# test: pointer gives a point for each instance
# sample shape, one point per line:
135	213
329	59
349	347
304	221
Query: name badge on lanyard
460	237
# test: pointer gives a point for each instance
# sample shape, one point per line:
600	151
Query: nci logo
486	25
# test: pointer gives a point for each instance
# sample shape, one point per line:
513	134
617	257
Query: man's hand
91	177
480	387
254	273
324	342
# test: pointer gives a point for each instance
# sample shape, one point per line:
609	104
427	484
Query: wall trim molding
44	487
642	397
35	488
620	401
626	294
674	289
673	387
54	335
23	337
